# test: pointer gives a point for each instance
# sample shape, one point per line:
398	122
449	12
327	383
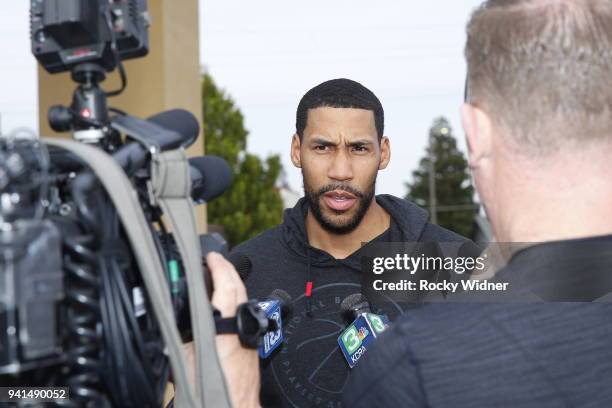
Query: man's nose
341	168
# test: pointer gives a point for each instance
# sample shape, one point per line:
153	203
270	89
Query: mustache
340	187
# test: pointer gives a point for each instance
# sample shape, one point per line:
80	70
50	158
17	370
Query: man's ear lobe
478	130
385	153
295	151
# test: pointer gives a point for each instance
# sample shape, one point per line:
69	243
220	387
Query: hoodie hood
409	218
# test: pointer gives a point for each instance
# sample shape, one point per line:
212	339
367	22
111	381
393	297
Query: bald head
542	69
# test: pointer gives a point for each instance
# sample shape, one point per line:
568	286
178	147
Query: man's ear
478	129
295	151
385	153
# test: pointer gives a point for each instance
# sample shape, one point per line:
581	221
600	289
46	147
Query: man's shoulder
454	318
433	232
412	220
453	334
453	331
445	340
263	241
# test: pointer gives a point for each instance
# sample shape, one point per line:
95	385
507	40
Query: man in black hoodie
315	253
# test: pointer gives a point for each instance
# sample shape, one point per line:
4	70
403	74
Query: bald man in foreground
538	121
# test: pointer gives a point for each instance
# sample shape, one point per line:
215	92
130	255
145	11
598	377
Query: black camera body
30	296
73	304
66	33
91	277
74	307
31	274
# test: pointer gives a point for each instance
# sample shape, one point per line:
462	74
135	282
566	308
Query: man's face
340	156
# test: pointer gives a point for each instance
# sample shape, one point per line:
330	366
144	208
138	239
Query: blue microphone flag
271	340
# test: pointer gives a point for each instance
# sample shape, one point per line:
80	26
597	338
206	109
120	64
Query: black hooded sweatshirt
309	370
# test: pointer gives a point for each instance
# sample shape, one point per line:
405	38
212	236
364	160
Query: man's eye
321	148
359	148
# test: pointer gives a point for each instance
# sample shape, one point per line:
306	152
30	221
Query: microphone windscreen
353	304
280	295
285	300
215	176
181	121
242	263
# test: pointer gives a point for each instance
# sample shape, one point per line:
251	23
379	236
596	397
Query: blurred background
256	61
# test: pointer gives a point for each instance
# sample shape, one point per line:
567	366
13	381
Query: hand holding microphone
240	364
258	324
262	324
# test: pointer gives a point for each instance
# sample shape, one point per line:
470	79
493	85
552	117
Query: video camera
80	305
66	33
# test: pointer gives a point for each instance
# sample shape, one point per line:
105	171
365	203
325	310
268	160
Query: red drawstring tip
308	289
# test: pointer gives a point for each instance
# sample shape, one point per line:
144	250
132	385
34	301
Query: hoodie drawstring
309	285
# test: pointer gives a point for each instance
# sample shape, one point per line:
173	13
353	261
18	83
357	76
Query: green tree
253	203
454	192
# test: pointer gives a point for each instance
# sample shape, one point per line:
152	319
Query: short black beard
364	199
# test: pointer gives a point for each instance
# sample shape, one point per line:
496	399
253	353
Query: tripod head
87	116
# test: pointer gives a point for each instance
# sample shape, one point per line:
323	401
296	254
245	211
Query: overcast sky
267	54
18	83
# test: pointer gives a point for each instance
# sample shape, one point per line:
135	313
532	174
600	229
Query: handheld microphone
242	263
215	242
354	305
366	327
180	121
277	307
210	177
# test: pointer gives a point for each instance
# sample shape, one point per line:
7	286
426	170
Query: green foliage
253	203
454	191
